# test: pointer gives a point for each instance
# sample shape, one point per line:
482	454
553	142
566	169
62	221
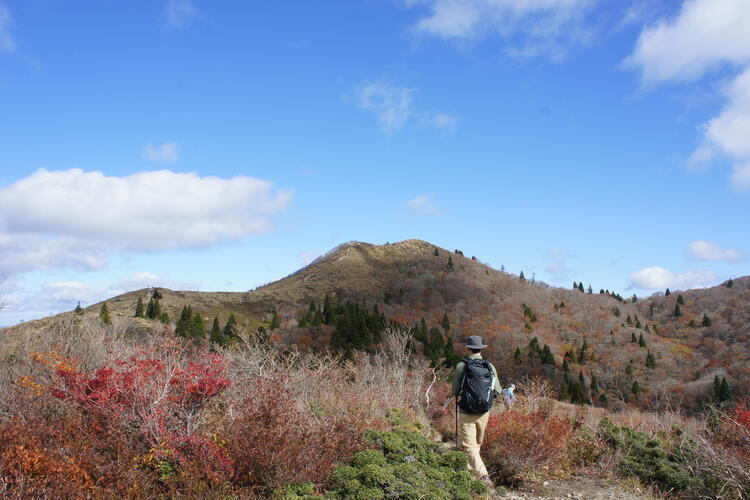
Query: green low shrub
405	465
656	461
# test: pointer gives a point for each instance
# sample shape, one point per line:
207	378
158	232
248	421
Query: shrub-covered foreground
97	412
91	411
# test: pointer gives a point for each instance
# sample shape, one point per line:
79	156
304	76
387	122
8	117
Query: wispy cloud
440	121
423	205
391	104
180	13
660	278
7	42
57	296
705	250
74	218
705	36
557	264
168	152
394	107
531	27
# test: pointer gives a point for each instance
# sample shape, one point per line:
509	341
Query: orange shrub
515	444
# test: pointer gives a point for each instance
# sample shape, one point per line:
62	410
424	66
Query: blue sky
222	145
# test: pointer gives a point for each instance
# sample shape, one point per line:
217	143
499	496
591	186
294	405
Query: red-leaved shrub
274	441
516	444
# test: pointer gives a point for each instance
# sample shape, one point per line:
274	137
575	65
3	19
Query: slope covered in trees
595	346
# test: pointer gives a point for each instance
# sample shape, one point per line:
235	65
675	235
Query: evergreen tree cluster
356	327
191	325
543	353
577	392
650	360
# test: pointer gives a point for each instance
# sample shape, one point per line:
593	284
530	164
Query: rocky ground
581	488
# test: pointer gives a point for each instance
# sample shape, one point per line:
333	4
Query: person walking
508	397
475	385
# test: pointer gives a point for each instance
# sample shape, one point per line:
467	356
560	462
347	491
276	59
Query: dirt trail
581	488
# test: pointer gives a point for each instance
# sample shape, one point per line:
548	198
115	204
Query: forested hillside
594	345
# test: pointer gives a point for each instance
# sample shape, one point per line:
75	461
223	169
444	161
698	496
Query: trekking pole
456	437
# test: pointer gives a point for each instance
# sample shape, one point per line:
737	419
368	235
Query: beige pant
471	434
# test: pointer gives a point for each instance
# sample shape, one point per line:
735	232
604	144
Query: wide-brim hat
475	342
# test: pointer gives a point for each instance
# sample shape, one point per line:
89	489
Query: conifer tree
680	300
437	253
641	341
730	283
156	294
594	383
150	311
725	394
521	276
575	285
582	381
582	355
328	309
517	354
691	323
629	321
633	338
275	323
139	308
667	293
164	318
677	311
79	309
446	322
182	328
580	286
104	314
589	289
636	389
706	320
634	298
565	365
197	327
650	360
547	357
629	369
638	323
216	336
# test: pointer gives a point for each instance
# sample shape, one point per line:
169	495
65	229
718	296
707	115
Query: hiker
475	386
508	397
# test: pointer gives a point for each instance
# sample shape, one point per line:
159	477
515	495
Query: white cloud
705	250
393	106
164	153
74	218
440	121
423	205
706	35
7	43
659	278
545	27
180	13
